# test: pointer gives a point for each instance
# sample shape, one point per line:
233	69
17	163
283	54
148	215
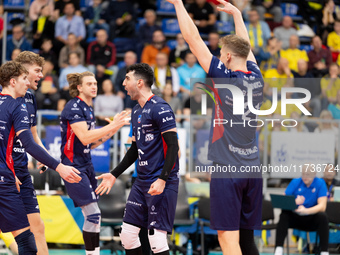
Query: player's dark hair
237	45
75	79
30	58
142	71
10	70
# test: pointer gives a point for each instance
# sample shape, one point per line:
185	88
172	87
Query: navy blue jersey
73	152
148	123
13	118
235	145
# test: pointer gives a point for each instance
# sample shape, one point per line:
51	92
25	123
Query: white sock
278	250
324	253
95	252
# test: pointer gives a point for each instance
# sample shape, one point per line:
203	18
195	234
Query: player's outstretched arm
99	135
192	36
106	185
240	27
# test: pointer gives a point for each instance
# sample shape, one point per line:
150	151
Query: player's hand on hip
106	185
17	183
68	173
227	7
157	187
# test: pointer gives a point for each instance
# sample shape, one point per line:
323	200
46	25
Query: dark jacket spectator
203	15
94	17
46	31
319	58
18	41
273	7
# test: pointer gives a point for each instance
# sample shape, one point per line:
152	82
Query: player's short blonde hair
236	45
30	58
9	70
75	79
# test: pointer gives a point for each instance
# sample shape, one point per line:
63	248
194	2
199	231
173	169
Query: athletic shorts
82	193
28	194
8	238
152	212
235	203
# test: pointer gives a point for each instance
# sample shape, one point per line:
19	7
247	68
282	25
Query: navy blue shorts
152	212
12	211
28	194
82	193
235	203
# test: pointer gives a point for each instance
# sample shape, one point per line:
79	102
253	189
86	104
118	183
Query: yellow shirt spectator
333	90
275	80
293	56
333	41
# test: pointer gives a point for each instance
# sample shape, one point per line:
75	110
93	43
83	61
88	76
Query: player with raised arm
153	197
235	198
14	120
78	137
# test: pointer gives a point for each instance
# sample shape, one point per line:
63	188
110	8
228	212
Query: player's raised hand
68	173
157	187
121	119
106	184
227	7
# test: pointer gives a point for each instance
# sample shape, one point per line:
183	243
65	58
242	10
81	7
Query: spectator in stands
333	40
329	177
121	16
293	54
72	45
177	54
107	104
146	30
273	7
15	53
73	67
130	58
59	7
269	56
47	94
319	58
328	18
305	79
47	52
259	31
213	44
164	74
69	23
101	56
169	96
94	18
311	12
37	5
330	84
334	108
311	197
18	41
328	127
190	70
42	27
285	31
203	16
158	45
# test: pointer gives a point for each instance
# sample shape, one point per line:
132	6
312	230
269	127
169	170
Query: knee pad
129	236
26	243
158	240
92	217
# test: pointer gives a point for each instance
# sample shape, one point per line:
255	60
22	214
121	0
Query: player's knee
129	236
26	243
158	240
92	217
39	228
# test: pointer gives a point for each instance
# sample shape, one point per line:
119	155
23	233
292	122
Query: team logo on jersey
75	105
146	111
149	137
139	119
28	100
1	102
2	178
91	115
23	106
76	117
167	119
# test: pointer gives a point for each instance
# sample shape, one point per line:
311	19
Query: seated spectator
120	15
177	54
59	7
311	197
18	41
94	18
259	31
272	7
47	52
107	104
284	32
35	8
146	30
329	177
213	44
333	41
73	67
15	53
293	54
328	127
164	74
334	108
190	70
268	57
69	23
47	94
42	27
169	96
158	45
203	16
72	45
319	58
101	56
328	18
130	58
305	79
330	84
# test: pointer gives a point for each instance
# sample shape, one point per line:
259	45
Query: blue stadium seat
290	9
165	8
90	39
171	44
224	27
170	27
140	22
14	4
124	44
306	47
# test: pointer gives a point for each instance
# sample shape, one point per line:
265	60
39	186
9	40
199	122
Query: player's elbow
85	140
